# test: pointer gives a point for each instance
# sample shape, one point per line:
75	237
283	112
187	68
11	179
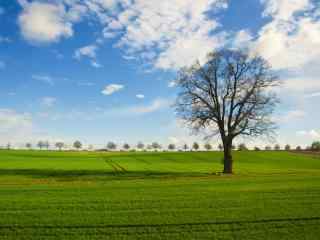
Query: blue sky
102	70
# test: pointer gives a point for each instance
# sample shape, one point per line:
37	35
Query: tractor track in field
117	168
140	160
298	221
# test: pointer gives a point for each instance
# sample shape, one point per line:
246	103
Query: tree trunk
228	162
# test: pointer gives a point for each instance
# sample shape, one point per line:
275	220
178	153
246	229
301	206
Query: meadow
176	195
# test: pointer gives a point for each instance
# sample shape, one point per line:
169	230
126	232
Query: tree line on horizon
155	146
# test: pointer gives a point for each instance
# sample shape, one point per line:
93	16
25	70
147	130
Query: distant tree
185	147
208	146
267	148
298	148
233	147
111	146
315	146
242	147
8	146
149	147
126	146
257	149
277	147
195	146
230	95
171	147
40	144
77	145
90	147
59	145
28	146
220	147
140	145
156	146
287	147
46	144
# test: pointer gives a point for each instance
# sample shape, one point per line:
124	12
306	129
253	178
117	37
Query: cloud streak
43	78
111	89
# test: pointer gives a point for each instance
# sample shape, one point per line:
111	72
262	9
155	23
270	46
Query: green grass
83	195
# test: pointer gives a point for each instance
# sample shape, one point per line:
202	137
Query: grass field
84	195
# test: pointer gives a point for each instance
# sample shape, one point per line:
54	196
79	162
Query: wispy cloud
48	101
96	64
86	84
112	88
172	84
140	96
154	106
14	125
164	37
87	51
290	116
5	39
312	95
101	113
44	78
167	38
313	134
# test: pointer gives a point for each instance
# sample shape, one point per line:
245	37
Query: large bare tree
231	95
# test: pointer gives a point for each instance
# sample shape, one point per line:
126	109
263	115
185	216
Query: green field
83	195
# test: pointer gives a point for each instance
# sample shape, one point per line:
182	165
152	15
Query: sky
104	70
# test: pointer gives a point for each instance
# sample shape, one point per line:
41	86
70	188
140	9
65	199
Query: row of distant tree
112	146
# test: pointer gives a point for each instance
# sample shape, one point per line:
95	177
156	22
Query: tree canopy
230	95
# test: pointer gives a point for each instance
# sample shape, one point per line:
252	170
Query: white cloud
88	51
48	101
10	119
285	9
312	95
14	125
1	11
140	96
172	84
290	42
154	106
301	83
175	140
166	34
290	116
314	134
43	78
292	39
86	84
112	88
76	11
169	34
242	39
42	22
106	4
96	64
102	113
